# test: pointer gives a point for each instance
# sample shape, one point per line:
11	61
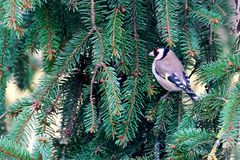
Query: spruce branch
68	132
135	34
15	109
190	51
43	148
150	87
73	101
115	33
125	57
32	47
26	4
4	46
66	63
114	87
124	137
111	99
93	125
110	112
47	32
13	15
93	26
228	132
151	113
23	127
9	149
36	106
13	19
48	88
167	20
22	70
190	143
53	107
163	114
230	119
98	64
131	113
115	53
8	153
49	111
51	80
169	39
102	48
50	47
222	11
205	16
210	34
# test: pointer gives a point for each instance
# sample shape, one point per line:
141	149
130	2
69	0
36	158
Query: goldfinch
169	72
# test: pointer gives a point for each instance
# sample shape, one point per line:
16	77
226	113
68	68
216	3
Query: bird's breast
166	84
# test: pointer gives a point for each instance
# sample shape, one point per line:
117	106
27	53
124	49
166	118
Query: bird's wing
169	65
175	80
186	79
168	74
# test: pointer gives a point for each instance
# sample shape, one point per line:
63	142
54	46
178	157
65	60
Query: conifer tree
98	80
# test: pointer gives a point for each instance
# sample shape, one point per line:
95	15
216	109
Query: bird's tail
191	94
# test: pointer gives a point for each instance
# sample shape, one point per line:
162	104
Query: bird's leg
165	95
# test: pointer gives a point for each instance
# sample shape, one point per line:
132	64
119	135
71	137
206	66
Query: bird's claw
165	96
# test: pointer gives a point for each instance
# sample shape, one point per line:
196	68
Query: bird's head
159	53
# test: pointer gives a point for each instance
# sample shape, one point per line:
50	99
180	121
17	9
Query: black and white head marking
159	53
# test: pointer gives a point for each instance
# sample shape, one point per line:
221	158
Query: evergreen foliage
97	80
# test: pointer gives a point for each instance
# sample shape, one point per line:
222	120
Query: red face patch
155	52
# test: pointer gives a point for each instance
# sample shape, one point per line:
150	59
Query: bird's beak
151	54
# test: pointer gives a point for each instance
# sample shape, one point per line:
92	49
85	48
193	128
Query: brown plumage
169	72
167	66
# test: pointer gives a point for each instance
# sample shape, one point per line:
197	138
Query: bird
169	72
